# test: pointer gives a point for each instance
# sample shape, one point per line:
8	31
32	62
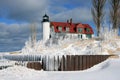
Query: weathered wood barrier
80	62
67	62
34	65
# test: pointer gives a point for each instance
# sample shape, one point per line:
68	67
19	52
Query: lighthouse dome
45	18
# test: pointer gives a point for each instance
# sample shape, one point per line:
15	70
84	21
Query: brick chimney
71	21
67	21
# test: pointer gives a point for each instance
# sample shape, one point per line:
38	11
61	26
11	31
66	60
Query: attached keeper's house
66	29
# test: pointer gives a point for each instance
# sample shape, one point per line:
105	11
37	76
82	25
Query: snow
4	62
108	44
107	70
75	47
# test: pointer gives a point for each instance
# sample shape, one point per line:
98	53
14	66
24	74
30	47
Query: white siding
46	30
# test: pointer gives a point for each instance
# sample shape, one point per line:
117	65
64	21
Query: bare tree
33	34
115	13
119	20
119	17
97	13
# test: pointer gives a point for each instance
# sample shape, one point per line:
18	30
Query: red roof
72	27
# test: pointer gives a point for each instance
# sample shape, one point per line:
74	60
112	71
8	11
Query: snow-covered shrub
108	33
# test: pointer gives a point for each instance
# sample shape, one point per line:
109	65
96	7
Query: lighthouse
46	27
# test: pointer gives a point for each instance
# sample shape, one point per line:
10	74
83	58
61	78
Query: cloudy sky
17	15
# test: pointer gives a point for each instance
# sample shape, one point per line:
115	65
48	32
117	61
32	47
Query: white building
65	29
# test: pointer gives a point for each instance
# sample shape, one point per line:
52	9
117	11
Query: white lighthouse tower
46	27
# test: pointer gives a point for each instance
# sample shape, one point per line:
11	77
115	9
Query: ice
107	70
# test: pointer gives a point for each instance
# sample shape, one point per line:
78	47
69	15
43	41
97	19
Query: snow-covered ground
73	47
107	70
4	62
109	43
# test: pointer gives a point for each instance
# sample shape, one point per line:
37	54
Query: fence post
76	62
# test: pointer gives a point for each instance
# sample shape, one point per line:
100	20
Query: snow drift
104	71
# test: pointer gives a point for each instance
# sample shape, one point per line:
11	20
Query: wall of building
62	35
46	31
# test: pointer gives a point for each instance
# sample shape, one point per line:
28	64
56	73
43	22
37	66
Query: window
88	35
80	30
60	28
80	36
87	29
67	29
52	29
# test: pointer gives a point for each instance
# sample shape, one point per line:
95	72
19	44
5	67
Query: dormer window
67	29
52	29
87	29
60	28
80	30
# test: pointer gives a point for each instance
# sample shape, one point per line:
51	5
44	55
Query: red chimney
67	21
71	21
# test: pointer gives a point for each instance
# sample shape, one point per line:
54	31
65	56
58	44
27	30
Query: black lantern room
45	18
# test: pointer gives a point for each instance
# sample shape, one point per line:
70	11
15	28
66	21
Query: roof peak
45	15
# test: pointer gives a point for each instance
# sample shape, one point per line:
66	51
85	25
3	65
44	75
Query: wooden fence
80	62
34	65
68	62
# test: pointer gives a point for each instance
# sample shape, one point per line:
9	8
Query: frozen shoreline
104	71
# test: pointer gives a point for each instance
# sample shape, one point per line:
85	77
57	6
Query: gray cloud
25	10
77	14
14	36
33	10
70	2
79	10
